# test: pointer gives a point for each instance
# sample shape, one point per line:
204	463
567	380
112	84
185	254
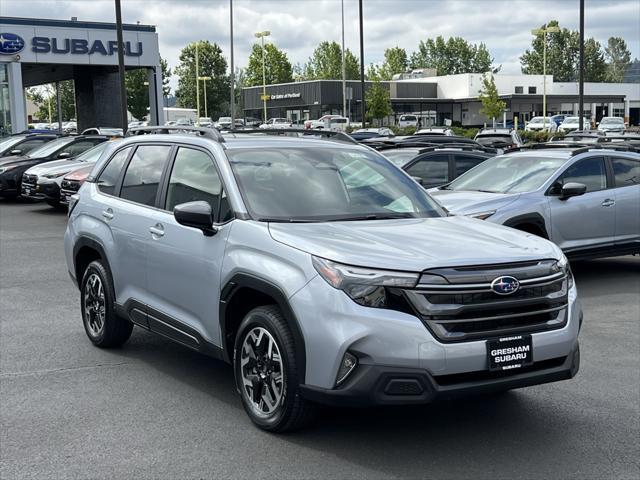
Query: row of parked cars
567	124
331	271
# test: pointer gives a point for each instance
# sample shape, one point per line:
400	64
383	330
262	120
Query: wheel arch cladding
529	222
85	251
244	292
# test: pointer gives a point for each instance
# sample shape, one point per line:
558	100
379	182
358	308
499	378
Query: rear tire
267	374
103	327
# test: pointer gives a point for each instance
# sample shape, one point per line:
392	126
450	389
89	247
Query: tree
44	98
378	101
326	63
137	92
166	77
277	66
563	50
211	64
395	61
451	56
618	59
492	106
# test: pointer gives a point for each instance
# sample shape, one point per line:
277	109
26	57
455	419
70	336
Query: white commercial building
37	51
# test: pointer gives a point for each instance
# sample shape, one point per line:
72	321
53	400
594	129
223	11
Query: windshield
7	143
49	147
93	154
540	120
606	121
571	120
328	184
507	174
400	156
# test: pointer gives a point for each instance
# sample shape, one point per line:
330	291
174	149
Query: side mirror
572	189
15	152
64	155
197	215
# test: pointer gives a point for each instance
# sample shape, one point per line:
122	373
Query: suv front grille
462	306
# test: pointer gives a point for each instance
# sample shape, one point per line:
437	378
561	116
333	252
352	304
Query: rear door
183	264
586	221
626	175
431	169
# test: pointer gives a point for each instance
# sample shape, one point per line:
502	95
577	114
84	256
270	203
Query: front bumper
374	385
391	342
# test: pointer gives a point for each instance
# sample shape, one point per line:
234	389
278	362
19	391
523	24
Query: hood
466	202
13	160
413	244
57	166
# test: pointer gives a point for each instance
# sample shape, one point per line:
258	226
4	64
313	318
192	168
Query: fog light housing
348	364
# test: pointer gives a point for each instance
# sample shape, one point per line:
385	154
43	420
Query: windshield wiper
285	220
372	216
487	191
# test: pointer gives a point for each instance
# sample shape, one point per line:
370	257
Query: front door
588	220
183	264
626	173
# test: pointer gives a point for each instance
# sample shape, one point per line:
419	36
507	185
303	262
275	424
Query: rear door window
141	181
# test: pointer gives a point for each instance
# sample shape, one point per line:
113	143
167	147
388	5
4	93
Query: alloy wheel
94	305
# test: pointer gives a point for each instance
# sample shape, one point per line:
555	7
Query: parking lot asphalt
154	409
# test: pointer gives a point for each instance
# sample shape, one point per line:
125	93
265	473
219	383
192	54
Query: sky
297	26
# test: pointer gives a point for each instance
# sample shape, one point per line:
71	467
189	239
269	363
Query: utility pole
344	70
544	31
261	36
123	90
204	79
197	87
364	107
581	85
232	103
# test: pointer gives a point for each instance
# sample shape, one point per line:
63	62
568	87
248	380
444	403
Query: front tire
266	372
103	327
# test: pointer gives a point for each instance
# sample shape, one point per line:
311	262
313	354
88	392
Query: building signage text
80	46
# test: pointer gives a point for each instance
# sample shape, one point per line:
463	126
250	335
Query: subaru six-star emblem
505	285
10	43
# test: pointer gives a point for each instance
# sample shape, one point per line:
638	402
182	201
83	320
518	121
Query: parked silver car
321	271
586	200
612	125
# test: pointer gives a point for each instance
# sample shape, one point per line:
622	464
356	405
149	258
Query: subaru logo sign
505	285
10	43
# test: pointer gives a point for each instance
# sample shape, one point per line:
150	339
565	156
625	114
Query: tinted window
30	144
433	170
466	162
589	171
193	178
50	147
519	89
626	171
80	147
141	181
109	176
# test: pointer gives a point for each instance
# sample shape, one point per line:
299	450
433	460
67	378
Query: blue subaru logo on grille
505	285
10	43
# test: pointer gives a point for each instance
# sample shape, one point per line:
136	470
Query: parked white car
407	121
538	124
571	124
612	125
435	130
319	123
276	123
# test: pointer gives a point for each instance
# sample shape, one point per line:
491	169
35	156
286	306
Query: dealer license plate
510	353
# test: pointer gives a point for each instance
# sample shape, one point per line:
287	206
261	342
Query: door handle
608	202
157	230
108	214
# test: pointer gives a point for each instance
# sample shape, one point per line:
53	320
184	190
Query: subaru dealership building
35	52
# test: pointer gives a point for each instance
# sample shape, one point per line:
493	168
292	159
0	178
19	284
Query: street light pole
197	88
232	103
204	79
544	31
581	86
344	71
261	36
123	90
364	107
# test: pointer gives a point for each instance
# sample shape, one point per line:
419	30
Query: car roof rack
206	132
578	148
296	132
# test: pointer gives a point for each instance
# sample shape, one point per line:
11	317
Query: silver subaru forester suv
320	271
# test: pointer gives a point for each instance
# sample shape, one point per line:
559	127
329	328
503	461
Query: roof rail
297	132
210	133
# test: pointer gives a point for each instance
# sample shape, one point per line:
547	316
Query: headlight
365	286
482	215
563	266
6	169
56	175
